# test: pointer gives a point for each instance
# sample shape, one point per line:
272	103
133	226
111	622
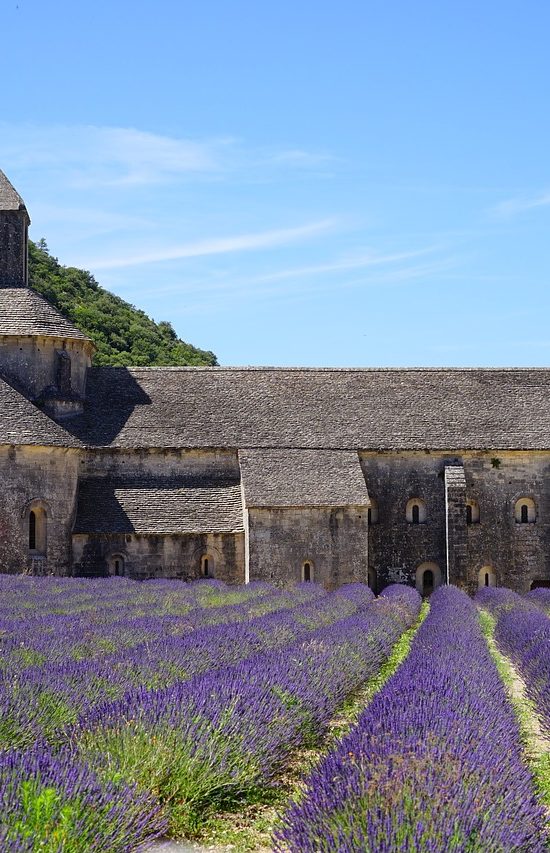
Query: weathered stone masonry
418	476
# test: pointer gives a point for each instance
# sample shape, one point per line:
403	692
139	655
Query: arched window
37	532
415	512
428	578
307	571
486	577
525	511
207	566
372	513
116	565
472	512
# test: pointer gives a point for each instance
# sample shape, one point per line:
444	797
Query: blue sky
295	183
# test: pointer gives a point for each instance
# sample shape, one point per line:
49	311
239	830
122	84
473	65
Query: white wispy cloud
107	156
216	246
521	204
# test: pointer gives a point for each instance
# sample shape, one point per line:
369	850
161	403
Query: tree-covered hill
124	335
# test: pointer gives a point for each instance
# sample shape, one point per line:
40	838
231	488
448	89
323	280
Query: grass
535	745
251	826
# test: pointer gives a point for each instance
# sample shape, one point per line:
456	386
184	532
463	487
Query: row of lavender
522	632
434	763
235	699
41	700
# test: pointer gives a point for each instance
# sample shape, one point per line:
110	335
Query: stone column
456	535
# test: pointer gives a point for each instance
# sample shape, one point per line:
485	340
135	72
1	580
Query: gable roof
22	423
302	478
9	197
369	409
25	312
159	506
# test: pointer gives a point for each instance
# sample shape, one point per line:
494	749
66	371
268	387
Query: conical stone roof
9	197
24	312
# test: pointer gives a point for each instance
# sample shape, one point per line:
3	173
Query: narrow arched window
207	566
32	530
415	511
428	578
486	577
36	529
525	511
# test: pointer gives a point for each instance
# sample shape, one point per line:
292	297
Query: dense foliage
124	336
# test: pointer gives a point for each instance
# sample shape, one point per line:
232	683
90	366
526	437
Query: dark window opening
540	583
468	514
416	514
524	514
369	515
205	567
487	579
428	582
307	572
63	372
32	531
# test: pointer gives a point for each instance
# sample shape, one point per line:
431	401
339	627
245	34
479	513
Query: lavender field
134	711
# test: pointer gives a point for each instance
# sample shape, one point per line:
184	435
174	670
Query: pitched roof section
302	478
24	312
21	423
378	409
9	197
157	506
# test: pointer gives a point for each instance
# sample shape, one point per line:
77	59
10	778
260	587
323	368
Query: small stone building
418	476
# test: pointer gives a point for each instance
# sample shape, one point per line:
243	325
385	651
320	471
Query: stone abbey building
419	476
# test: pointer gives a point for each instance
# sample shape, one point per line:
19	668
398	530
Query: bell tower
41	352
14	236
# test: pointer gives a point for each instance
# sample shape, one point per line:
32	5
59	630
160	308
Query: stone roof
302	478
9	197
159	506
369	409
24	312
22	423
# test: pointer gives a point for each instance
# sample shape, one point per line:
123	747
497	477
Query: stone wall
333	540
43	480
517	553
13	248
151	463
173	556
31	362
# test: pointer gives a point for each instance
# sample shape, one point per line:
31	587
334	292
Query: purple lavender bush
55	803
522	633
225	734
434	763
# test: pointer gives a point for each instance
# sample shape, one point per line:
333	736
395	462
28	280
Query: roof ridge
297	369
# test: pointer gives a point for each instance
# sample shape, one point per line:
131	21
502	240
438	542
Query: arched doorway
116	565
428	578
307	571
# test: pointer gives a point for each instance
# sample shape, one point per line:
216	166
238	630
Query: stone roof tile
9	197
24	312
302	478
22	423
369	409
155	506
